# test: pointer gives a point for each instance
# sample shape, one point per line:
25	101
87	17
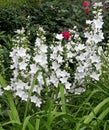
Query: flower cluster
87	56
89	61
51	65
24	68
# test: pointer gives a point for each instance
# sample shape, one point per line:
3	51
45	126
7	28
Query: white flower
33	68
59	36
59	48
22	65
63	79
79	90
59	59
40	78
67	85
79	47
97	4
20	31
79	76
89	22
98	23
55	65
95	76
43	48
13	52
8	88
24	97
38	42
53	79
21	52
70	54
15	73
37	89
81	57
20	85
95	58
36	100
19	93
80	68
41	29
53	56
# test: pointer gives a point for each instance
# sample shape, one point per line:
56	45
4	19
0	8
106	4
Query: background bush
54	16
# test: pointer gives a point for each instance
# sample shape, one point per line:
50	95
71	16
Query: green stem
62	97
29	95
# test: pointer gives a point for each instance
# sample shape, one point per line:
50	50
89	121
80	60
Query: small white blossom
95	76
20	31
59	36
36	100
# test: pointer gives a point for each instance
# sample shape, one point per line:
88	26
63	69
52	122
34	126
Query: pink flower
86	10
66	35
85	4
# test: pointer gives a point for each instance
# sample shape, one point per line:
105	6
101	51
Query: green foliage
56	16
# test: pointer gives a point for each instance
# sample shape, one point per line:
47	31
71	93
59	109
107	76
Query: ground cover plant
56	83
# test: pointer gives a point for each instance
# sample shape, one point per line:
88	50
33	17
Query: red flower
85	4
86	10
66	35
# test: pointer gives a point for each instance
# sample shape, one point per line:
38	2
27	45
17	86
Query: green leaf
27	123
13	114
2	81
37	124
62	98
96	110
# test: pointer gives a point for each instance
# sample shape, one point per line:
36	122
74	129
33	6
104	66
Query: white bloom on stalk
98	4
36	101
53	80
20	93
9	87
90	58
33	68
68	85
95	76
38	41
22	65
20	31
79	47
41	29
55	65
59	36
21	52
37	89
43	48
79	90
98	23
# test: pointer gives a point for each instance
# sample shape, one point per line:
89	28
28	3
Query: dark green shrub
58	15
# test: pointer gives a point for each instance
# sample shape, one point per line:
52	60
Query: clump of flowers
49	66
